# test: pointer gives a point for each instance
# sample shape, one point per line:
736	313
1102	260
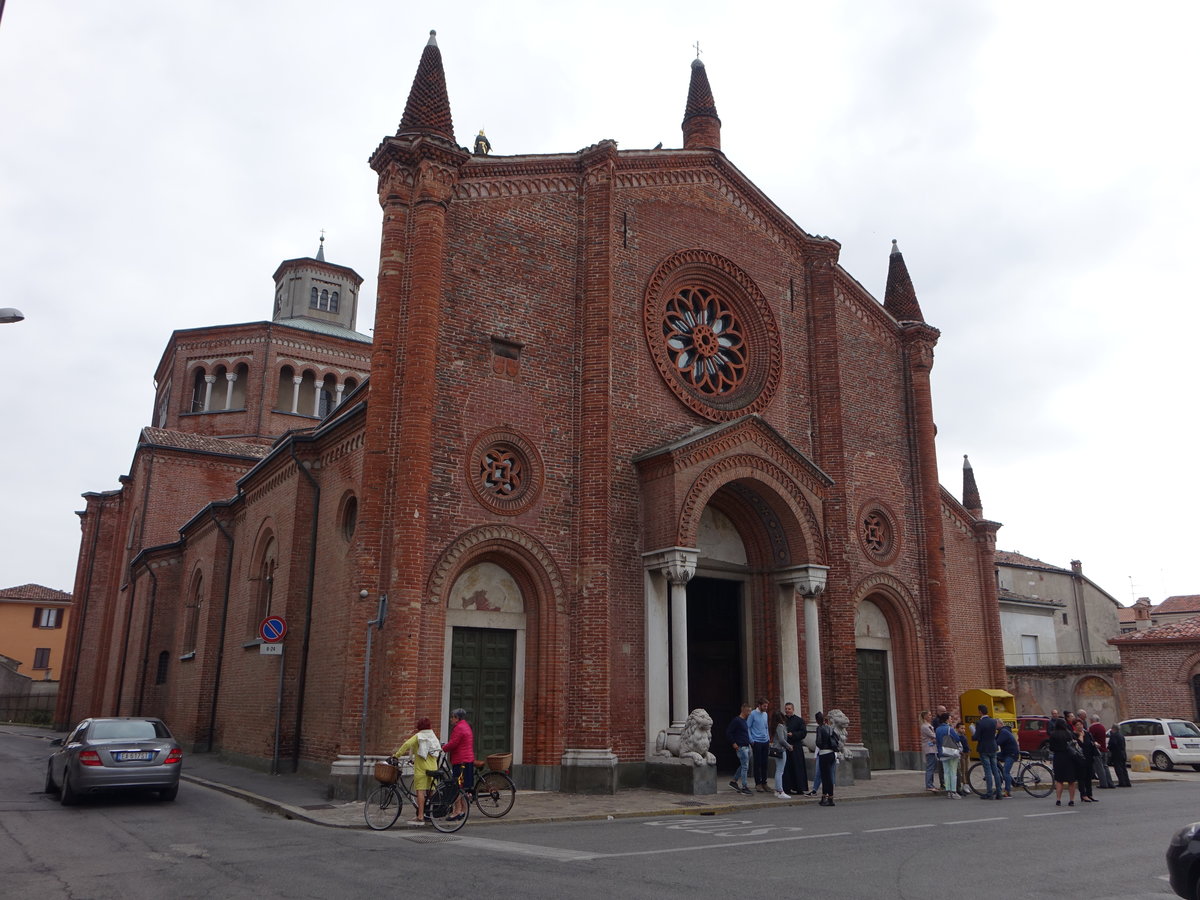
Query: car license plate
1191	746
132	756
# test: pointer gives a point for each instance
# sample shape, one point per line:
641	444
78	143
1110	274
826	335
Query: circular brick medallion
877	532
504	472
712	335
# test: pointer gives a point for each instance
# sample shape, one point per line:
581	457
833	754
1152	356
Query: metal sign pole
278	715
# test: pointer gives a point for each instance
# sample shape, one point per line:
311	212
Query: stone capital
808	580
677	564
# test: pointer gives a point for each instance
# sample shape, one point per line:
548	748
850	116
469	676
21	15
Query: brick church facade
626	441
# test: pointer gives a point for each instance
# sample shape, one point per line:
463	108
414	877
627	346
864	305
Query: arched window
333	302
199	391
266	585
324	299
191	621
160	674
312	299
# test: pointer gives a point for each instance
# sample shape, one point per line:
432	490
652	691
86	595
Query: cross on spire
697	46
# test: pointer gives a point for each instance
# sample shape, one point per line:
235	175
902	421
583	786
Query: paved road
209	845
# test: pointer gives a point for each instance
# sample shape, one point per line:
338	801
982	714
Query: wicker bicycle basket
499	762
386	772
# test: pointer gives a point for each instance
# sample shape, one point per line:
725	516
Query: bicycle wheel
439	807
1037	779
976	779
494	794
383	807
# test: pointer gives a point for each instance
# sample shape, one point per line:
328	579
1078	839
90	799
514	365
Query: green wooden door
873	702
481	682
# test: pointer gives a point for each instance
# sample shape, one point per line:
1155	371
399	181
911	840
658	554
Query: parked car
1183	861
1033	733
1167	743
115	754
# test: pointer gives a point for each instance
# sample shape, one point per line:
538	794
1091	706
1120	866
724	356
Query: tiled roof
1007	557
700	99
899	298
1184	603
1024	598
1184	630
35	592
329	328
200	443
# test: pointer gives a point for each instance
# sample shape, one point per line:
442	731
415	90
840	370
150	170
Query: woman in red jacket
460	747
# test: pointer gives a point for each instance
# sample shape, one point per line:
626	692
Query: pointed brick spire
321	248
970	494
428	108
899	298
701	127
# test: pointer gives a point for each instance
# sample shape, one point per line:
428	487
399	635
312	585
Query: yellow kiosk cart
1000	705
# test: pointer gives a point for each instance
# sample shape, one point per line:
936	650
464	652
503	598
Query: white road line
1057	812
711	847
539	850
899	828
973	821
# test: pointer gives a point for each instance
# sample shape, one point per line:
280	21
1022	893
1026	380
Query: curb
266	803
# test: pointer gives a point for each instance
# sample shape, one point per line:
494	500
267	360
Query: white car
1167	743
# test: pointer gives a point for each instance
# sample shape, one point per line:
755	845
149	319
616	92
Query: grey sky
1037	163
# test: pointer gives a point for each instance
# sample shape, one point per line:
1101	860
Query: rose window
501	471
877	533
704	340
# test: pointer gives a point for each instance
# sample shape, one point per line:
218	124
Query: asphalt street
207	844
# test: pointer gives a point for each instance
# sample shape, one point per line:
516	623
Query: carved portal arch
797	520
533	564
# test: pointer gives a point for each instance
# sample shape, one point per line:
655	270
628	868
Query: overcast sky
1037	162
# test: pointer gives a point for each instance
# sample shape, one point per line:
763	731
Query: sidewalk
295	797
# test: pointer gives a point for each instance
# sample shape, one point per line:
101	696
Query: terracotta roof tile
35	592
1184	630
1007	557
899	298
1183	603
200	443
428	107
700	99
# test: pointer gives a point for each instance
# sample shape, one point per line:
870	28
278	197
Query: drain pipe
362	730
308	606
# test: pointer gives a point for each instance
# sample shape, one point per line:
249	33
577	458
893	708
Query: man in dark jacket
1116	756
738	734
1008	752
1100	735
795	777
985	746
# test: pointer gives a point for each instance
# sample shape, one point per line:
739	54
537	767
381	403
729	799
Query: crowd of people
757	737
1081	754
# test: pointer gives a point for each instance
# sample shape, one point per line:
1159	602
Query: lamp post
8	315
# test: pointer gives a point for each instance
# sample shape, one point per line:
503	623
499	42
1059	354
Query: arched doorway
876	692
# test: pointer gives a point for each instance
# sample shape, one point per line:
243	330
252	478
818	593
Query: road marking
552	853
711	847
973	821
1057	812
900	828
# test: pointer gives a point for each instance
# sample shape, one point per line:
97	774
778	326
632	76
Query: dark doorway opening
875	706
481	682
714	611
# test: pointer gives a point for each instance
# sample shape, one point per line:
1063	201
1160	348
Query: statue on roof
482	145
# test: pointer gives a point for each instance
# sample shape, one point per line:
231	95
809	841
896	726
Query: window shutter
58	618
37	616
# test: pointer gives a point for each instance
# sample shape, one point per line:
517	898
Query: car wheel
1196	767
169	793
1162	761
50	788
67	796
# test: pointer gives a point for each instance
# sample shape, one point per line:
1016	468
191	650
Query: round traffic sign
272	629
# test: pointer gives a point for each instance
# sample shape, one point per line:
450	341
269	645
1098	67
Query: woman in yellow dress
425	749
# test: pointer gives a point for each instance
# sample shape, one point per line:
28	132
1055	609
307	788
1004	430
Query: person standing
760	740
1063	761
426	752
460	748
985	746
964	759
929	747
1100	735
948	754
739	736
1008	751
781	749
1116	756
795	778
828	745
1084	762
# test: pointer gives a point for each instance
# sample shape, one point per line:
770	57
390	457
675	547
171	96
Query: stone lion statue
840	723
691	743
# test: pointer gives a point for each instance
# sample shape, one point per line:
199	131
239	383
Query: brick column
589	764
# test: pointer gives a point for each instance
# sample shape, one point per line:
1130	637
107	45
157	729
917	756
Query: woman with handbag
1085	762
1061	742
828	745
779	750
426	750
948	753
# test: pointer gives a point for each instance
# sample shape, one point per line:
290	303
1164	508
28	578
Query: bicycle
385	803
1030	773
494	792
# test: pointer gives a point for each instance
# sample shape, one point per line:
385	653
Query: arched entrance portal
876	693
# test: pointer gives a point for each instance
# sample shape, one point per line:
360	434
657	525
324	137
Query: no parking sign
272	629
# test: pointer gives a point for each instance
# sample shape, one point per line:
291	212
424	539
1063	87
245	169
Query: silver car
115	754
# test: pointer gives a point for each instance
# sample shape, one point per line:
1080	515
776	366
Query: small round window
877	532
504	472
349	516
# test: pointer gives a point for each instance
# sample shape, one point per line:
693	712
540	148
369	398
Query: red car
1033	733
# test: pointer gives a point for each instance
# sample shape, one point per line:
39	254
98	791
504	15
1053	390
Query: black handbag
775	752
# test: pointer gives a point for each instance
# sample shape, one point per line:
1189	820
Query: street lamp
8	315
